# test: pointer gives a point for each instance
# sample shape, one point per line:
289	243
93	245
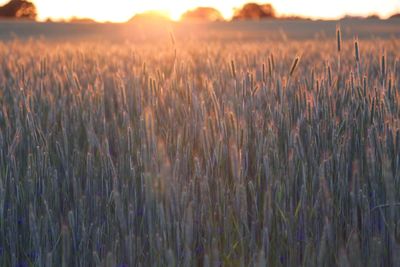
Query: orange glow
123	10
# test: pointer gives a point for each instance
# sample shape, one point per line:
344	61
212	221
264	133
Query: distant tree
354	17
253	11
81	20
293	17
150	16
373	16
18	9
395	16
202	14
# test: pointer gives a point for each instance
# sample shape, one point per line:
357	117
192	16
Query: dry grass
190	154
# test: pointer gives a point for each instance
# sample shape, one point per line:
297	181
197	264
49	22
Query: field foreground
195	154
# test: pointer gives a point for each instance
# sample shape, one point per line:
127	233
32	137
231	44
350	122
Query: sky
123	10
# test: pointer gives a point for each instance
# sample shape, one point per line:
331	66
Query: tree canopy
202	14
18	9
253	11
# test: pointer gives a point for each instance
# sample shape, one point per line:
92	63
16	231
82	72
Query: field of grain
200	153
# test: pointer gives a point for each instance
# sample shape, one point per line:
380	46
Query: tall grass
111	157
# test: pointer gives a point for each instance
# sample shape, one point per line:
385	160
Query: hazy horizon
65	9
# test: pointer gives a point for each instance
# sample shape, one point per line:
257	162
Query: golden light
123	10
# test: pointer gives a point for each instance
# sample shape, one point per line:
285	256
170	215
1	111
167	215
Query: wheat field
224	153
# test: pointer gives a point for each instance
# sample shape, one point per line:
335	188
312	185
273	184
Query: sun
175	14
173	8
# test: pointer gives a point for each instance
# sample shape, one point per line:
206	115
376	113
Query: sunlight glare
123	10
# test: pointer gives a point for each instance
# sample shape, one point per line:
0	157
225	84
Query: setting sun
123	10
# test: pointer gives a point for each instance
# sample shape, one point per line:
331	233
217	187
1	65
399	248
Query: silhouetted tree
18	9
373	16
254	11
395	16
202	14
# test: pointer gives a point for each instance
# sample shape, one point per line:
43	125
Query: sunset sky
122	10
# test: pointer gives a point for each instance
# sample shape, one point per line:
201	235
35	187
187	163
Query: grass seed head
294	65
339	39
383	66
357	50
